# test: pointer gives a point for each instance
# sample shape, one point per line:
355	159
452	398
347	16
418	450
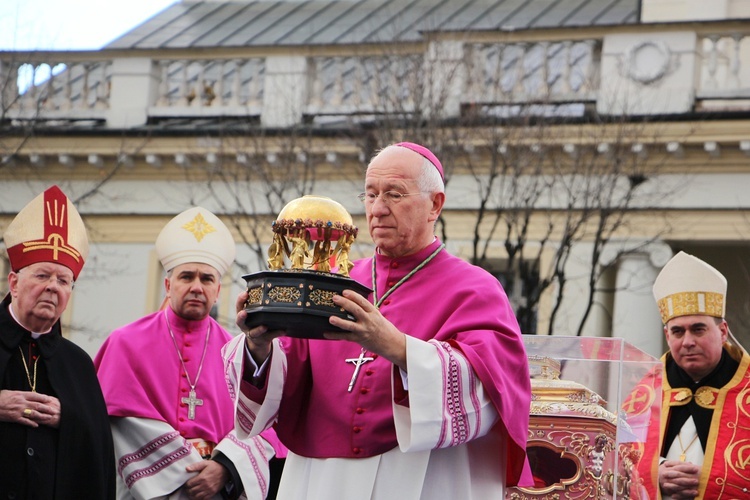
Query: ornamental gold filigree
198	227
284	294
706	397
521	496
322	297
576	442
254	296
588	488
682	395
687	303
587	410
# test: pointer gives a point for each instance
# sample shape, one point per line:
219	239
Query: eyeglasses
388	197
44	278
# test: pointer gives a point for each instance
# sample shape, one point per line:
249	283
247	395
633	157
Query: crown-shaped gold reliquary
314	235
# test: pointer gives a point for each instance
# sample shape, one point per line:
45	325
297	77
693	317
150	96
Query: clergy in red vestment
163	381
426	395
705	413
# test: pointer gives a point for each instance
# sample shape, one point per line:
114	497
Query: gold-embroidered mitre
688	286
196	235
48	229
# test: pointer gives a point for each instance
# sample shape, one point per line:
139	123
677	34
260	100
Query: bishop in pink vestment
137	386
163	381
358	426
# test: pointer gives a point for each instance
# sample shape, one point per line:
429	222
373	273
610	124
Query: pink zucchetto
426	153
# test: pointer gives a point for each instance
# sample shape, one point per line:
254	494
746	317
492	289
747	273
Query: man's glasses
388	197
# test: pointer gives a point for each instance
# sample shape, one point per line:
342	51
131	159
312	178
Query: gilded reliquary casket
582	444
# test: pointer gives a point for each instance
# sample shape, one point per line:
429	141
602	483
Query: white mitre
687	286
196	235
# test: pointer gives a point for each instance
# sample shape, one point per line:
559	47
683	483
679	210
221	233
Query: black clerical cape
75	461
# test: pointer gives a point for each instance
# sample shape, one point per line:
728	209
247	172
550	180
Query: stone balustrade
55	89
370	84
547	71
723	75
472	73
210	83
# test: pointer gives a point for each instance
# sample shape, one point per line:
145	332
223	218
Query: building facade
584	141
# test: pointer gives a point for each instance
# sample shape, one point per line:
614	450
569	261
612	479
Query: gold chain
32	384
683	455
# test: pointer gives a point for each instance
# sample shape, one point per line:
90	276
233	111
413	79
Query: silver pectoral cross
192	401
357	362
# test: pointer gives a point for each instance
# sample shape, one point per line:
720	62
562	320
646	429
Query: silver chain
203	358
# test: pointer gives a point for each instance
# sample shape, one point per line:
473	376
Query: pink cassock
448	300
141	375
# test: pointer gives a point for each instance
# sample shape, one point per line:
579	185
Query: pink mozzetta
141	375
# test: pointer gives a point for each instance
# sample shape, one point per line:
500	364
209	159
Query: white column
636	316
446	73
600	317
284	91
135	87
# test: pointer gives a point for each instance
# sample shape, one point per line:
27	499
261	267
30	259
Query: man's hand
29	408
258	339
679	479
371	329
211	478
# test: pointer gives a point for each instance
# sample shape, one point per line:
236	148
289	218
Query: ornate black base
297	301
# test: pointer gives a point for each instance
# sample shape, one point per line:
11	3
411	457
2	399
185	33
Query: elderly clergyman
426	395
54	432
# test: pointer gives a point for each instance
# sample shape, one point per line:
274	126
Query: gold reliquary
308	263
582	445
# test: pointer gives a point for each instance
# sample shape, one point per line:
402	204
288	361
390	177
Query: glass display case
595	402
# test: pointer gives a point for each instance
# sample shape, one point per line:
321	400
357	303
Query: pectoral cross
357	362
192	401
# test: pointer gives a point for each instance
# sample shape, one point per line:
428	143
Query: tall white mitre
686	286
196	235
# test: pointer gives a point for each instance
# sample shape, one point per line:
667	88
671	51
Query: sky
70	24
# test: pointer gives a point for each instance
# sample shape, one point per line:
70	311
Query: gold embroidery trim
688	303
54	242
199	227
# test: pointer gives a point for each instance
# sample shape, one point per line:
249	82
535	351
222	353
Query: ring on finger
27	412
